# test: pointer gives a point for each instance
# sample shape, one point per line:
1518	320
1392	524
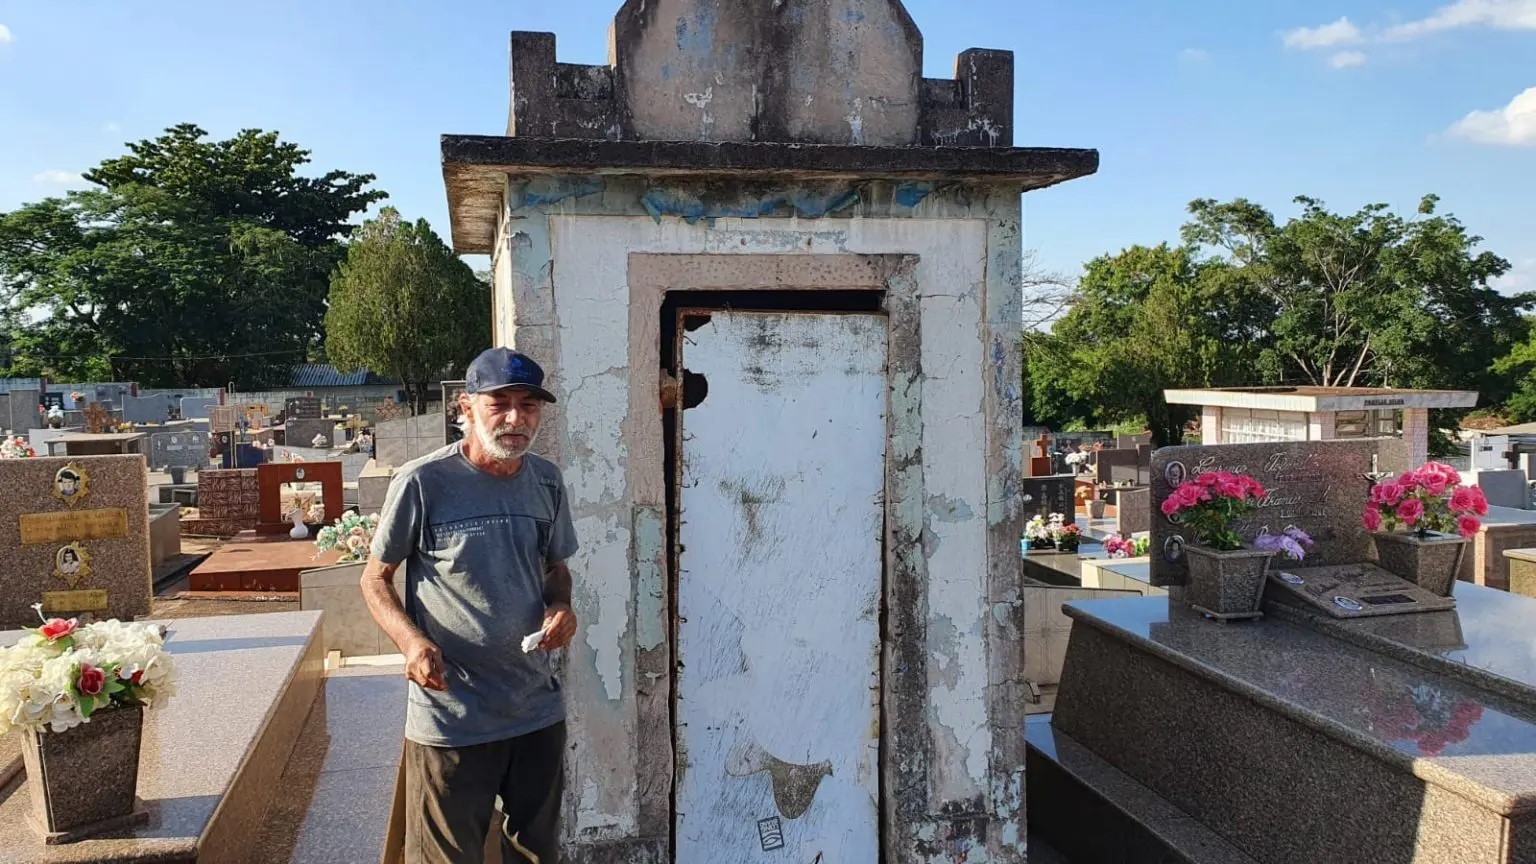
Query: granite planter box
1431	562
348	626
84	781
1227	586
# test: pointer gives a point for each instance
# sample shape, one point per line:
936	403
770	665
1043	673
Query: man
483	529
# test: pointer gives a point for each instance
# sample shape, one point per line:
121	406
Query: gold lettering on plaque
90	600
108	524
72	563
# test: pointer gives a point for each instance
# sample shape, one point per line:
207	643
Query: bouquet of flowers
1044	533
1429	499
1127	547
16	447
1212	504
352	534
61	673
1292	541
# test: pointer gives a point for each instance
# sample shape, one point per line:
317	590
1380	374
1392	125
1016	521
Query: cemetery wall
967	251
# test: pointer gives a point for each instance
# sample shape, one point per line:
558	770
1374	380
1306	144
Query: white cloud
1514	125
111	127
1347	60
1497	14
5	35
1194	55
1340	32
1521	277
57	177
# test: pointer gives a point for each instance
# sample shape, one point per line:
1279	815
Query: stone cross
1044	444
97	419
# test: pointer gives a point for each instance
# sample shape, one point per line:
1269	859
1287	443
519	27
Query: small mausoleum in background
1247	415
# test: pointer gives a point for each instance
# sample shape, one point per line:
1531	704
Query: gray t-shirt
475	548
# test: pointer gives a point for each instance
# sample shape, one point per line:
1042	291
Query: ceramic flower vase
299	530
83	781
1228	586
1430	562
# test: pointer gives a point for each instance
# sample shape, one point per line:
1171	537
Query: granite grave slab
178	449
196	408
76	535
1042	496
1318	486
301	408
147	409
302	433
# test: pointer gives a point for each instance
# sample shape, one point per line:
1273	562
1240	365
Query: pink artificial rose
1479	503
1210	478
1255	488
1462	500
1189	495
1411	510
1171	504
1451	475
1391	493
1372	518
1228	486
92	680
1467	525
1434	482
57	628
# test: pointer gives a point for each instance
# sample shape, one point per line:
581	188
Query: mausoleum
774	274
1247	415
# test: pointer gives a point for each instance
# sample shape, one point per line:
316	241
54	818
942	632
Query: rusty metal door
778	588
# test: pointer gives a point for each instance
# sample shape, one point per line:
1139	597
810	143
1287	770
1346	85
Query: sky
1350	101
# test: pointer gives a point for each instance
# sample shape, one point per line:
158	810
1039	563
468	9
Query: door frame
903	784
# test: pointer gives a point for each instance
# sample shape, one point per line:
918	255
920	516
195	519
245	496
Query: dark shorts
451	793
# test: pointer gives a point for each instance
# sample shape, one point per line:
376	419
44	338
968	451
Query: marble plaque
301	408
58	541
1317	486
1042	496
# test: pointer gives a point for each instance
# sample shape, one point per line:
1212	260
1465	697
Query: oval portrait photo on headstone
72	563
71	484
1173	549
1175	474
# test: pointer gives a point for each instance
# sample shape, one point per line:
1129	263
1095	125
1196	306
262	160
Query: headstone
147	409
301	408
1133	511
186	449
1319	486
397	442
1117	467
232	495
1042	496
1502	488
1040	463
75	532
196	408
1487	453
1131	442
24	413
302	433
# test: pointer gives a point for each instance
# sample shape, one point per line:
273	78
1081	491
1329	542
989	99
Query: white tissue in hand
532	640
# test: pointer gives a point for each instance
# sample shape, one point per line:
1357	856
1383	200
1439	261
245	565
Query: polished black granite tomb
1300	737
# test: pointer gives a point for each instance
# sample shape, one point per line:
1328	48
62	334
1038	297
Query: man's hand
424	664
559	626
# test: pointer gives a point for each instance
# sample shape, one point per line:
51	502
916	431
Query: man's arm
559	620
423	660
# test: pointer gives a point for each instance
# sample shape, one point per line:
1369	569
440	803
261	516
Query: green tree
402	304
1145	320
1370	298
190	263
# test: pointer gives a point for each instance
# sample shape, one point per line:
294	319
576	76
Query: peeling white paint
778	652
591	298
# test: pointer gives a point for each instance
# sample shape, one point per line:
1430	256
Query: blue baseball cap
503	368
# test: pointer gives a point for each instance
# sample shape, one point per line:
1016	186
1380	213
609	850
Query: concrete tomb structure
1242	415
76	535
759	224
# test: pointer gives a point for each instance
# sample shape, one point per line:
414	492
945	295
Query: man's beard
490	441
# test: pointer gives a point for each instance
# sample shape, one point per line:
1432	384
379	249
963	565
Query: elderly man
483	529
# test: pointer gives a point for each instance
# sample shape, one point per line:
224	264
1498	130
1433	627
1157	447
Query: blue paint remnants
912	194
693	208
551	190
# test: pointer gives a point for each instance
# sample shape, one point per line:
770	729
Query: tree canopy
1363	299
402	304
190	262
